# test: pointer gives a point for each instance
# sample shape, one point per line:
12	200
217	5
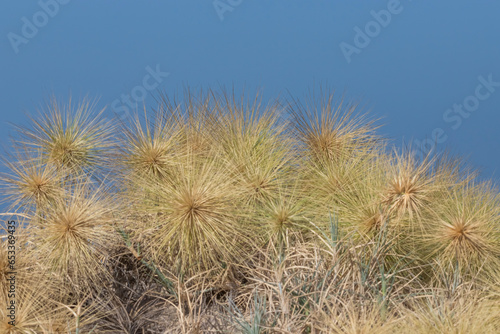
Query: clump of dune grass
282	220
30	182
74	233
345	186
38	304
69	136
193	116
411	185
195	217
337	150
147	150
218	214
17	254
254	146
30	309
359	203
464	231
466	311
329	129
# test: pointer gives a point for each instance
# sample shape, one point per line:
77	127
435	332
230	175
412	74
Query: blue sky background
425	60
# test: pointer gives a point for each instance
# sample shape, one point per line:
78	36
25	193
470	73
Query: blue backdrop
431	70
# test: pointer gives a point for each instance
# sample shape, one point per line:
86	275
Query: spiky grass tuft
283	219
30	183
410	185
465	229
75	232
71	137
221	204
197	223
359	203
193	117
32	294
330	130
254	146
148	150
464	312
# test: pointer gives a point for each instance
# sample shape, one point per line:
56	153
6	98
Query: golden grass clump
193	117
22	261
38	313
148	150
410	185
465	228
30	309
216	214
337	151
464	312
34	293
359	203
329	130
351	318
74	233
68	136
196	218
283	220
30	183
254	147
348	187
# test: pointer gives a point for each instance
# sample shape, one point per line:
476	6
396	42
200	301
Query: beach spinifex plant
37	310
179	188
18	255
411	185
337	147
20	264
329	130
147	150
360	206
69	136
464	231
467	311
33	306
74	233
195	216
30	183
412	192
254	146
283	219
216	200
193	117
26	283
